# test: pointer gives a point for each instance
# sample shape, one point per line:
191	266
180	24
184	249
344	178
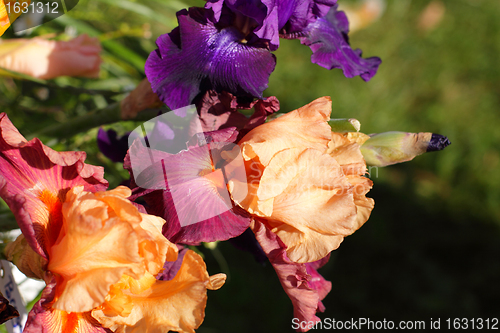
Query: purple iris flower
327	38
272	18
198	56
113	147
227	46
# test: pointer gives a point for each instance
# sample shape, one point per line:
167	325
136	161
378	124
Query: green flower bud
395	147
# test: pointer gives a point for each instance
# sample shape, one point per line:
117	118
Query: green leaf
137	8
113	47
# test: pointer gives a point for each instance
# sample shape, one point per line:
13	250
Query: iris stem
219	257
108	115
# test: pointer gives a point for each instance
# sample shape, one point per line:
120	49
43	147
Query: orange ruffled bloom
47	59
101	270
305	182
99	255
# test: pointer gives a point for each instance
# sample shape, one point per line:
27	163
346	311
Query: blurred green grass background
431	246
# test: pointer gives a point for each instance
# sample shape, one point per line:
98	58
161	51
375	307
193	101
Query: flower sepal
30	263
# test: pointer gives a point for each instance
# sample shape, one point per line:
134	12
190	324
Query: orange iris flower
99	255
305	182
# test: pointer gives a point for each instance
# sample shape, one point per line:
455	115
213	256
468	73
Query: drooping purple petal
111	146
196	57
327	38
263	108
170	268
189	189
305	291
296	15
220	110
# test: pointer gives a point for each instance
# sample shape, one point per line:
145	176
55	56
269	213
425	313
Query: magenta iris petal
188	190
305	290
327	38
318	282
217	138
220	110
28	171
196	57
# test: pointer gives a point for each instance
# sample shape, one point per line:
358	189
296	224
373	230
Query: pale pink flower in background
362	14
431	16
47	59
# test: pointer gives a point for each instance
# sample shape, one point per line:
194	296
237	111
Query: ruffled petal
42	318
159	306
347	153
296	15
196	57
302	178
263	13
152	246
104	237
220	110
270	17
364	205
317	281
308	202
34	180
304	128
302	288
188	191
327	38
